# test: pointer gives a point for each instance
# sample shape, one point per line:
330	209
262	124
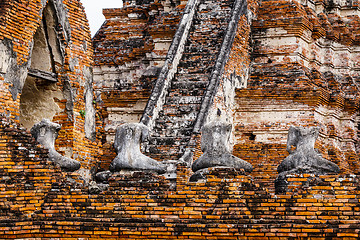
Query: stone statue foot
65	163
311	164
103	177
46	132
69	165
199	175
327	166
238	163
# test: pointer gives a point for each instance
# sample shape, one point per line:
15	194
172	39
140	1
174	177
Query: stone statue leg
215	145
46	133
127	144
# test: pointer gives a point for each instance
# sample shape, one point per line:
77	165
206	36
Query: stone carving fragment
46	133
96	188
304	158
214	144
127	145
103	177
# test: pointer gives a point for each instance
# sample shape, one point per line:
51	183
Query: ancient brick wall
139	205
303	72
130	48
290	67
68	99
26	174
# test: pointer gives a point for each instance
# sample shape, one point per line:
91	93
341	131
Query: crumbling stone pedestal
46	133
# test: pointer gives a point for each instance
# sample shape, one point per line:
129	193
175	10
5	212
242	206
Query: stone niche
37	100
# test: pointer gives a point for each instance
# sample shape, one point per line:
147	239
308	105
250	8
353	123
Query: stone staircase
174	123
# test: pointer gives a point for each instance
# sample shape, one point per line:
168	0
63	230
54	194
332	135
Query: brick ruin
175	66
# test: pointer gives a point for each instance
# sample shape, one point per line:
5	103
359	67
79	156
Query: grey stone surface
13	73
96	188
171	169
159	92
303	158
187	157
46	133
69	95
89	127
215	145
127	144
62	17
239	9
103	177
199	175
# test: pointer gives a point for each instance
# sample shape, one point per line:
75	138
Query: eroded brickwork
140	205
303	72
130	49
26	173
290	63
27	30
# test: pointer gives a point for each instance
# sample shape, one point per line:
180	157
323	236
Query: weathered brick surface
138	205
130	48
301	78
26	173
20	20
298	78
39	201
